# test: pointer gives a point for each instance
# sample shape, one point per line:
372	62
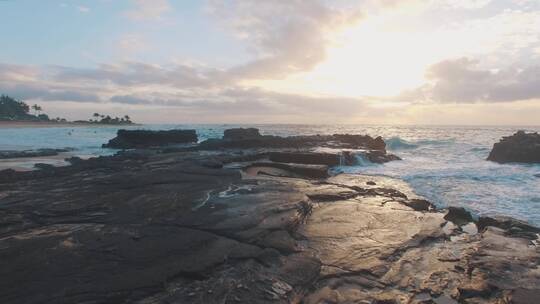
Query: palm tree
37	108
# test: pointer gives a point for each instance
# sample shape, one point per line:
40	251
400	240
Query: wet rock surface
306	158
222	227
241	133
32	153
251	138
130	139
521	147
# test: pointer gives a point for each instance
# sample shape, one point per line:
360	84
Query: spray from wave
396	143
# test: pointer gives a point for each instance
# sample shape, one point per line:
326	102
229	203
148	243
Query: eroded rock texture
521	147
222	227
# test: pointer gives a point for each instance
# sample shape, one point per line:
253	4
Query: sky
440	62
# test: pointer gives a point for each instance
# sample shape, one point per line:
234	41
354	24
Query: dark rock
241	133
458	216
7	175
305	158
280	240
242	139
444	299
74	160
371	183
297	170
362	140
348	158
512	226
380	156
130	139
521	147
525	296
32	153
43	166
211	163
148	227
419	204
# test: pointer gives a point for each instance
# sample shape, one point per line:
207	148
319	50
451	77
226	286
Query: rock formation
220	226
32	153
130	139
521	147
241	133
251	138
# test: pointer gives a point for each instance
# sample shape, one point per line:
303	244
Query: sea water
445	164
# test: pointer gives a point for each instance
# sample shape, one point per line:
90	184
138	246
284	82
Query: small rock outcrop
32	153
251	138
521	147
359	140
458	216
130	139
241	133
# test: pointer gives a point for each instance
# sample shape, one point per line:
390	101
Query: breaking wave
396	143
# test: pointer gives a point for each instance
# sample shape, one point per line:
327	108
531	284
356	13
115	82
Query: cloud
199	91
30	82
463	81
249	101
148	10
287	36
135	73
37	92
467	4
83	9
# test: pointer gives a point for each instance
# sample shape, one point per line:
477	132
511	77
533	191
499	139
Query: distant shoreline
52	124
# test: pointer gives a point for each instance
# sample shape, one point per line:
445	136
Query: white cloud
83	9
463	81
287	36
467	4
298	38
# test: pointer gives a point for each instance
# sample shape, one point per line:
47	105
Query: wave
479	149
436	142
361	160
396	143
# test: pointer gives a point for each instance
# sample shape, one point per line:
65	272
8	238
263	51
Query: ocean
445	164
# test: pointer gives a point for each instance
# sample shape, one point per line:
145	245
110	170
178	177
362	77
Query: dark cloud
463	81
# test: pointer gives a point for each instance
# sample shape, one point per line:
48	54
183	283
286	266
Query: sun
372	58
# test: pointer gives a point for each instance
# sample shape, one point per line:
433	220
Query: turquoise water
444	164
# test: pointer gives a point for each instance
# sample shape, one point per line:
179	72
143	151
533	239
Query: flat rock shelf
231	225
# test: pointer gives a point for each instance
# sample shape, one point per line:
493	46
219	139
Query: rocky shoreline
250	219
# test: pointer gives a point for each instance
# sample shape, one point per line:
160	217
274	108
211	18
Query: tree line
12	109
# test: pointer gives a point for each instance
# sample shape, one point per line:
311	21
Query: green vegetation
12	109
108	120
